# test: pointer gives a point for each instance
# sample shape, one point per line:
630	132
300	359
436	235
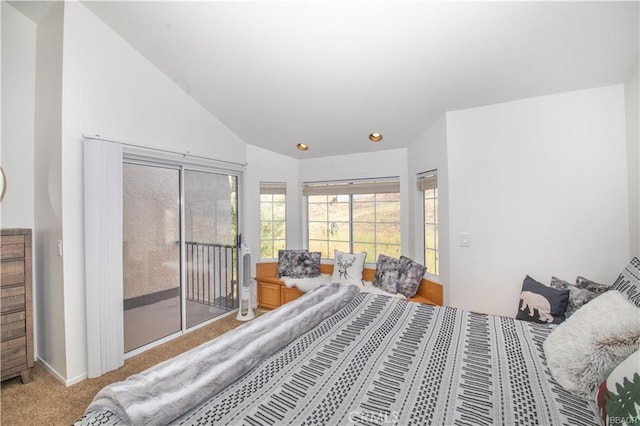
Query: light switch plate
465	239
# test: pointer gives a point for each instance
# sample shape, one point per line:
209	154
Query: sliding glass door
151	254
210	206
180	256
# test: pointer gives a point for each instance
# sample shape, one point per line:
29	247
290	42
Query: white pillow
584	349
347	267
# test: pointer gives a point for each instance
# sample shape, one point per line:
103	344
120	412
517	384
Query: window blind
352	187
273	187
103	256
427	180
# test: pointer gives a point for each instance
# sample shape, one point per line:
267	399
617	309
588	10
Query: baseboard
58	376
148	299
77	379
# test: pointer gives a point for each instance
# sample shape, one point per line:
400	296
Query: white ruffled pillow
584	349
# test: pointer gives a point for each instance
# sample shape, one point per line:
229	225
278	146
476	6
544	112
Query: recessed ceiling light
375	136
302	146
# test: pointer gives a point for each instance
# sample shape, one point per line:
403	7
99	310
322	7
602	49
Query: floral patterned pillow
298	263
577	296
411	274
387	273
398	275
587	284
618	397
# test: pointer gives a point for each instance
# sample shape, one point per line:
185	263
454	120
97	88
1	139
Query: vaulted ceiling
328	73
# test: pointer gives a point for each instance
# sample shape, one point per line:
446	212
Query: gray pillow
577	296
587	284
299	263
387	273
411	274
284	263
560	284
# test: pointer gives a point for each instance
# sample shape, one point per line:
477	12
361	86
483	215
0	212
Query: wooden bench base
273	293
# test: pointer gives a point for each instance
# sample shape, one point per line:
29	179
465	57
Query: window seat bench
272	292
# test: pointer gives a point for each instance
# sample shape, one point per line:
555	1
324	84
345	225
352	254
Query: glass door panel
210	212
151	254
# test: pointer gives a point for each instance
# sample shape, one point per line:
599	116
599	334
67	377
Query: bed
341	356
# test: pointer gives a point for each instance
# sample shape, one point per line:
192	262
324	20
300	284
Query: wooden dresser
16	312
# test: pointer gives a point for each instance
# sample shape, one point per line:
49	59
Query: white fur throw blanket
164	392
308	284
583	350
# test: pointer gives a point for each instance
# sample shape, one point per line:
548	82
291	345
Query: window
428	184
273	226
354	217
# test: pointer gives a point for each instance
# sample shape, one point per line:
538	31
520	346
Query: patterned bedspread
385	361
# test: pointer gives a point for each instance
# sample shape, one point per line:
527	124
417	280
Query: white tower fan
245	284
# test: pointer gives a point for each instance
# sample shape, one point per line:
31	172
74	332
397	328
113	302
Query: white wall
541	185
49	286
429	152
18	104
631	94
362	166
267	166
111	90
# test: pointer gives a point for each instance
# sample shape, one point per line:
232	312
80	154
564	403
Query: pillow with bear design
542	304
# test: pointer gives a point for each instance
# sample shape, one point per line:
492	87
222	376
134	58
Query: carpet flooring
46	401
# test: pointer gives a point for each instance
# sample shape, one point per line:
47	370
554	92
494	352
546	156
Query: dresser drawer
12	247
13	325
12	272
14	356
12	299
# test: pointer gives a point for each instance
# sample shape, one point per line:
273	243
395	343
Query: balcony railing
211	274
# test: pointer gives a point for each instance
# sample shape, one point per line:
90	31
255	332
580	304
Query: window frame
351	190
273	189
429	181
